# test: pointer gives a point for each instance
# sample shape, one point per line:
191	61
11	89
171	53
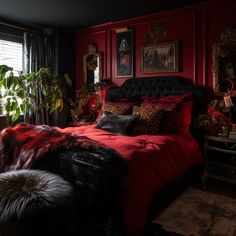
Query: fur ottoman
34	202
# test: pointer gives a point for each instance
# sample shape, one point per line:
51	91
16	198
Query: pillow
131	99
170	117
185	118
169	99
149	120
119	108
172	106
177	99
122	124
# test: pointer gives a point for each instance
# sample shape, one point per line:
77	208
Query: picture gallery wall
176	42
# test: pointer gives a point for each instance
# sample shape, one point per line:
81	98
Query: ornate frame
88	61
224	50
162	57
124	55
156	32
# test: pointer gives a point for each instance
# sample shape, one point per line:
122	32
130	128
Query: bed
116	175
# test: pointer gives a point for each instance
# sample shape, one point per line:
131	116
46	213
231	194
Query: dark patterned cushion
122	124
149	120
119	108
170	118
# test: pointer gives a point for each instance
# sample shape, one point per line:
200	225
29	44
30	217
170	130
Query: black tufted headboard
161	86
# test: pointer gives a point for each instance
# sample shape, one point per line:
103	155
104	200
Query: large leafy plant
29	93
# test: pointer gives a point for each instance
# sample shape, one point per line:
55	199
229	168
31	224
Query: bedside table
220	159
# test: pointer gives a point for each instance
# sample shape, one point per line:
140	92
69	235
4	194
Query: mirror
224	63
92	68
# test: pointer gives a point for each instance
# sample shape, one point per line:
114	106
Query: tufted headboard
160	86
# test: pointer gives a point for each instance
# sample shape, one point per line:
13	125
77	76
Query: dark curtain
37	54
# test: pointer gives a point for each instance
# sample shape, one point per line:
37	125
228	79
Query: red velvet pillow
177	99
169	99
185	118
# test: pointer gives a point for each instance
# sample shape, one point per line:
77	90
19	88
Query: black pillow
122	124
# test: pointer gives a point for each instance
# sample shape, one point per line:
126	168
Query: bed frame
62	162
156	87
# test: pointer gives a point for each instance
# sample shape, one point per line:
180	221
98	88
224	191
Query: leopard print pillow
119	108
149	120
170	117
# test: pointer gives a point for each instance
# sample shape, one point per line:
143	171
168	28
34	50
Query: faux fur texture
22	145
29	193
93	170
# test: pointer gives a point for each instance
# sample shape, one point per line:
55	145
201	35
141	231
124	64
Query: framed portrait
226	74
124	53
162	57
224	63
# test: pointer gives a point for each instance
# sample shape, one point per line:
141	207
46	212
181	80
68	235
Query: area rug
197	213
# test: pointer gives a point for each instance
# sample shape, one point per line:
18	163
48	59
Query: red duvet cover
154	161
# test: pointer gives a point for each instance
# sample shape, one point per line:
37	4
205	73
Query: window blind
11	54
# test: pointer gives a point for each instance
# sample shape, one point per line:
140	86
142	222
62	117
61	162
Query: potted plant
30	93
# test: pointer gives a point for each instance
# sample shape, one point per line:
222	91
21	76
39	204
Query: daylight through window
11	54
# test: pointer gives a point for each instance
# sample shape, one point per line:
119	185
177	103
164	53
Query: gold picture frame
224	63
158	58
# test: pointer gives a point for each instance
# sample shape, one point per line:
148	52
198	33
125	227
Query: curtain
37	54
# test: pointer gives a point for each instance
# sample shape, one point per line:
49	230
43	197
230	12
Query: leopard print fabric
119	108
149	120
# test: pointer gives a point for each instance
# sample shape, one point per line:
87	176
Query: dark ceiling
82	13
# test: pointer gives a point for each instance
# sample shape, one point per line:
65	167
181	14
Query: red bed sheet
154	161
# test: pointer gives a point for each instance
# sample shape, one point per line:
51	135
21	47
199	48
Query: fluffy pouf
34	202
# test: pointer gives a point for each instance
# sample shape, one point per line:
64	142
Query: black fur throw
33	195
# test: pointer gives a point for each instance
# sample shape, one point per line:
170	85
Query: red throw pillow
169	99
185	118
177	99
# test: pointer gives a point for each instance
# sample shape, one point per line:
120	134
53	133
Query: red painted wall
195	27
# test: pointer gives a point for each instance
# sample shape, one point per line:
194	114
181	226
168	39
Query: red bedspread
154	161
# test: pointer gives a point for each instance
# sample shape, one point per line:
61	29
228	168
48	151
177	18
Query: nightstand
220	159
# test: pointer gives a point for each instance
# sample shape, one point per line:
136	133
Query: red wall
195	27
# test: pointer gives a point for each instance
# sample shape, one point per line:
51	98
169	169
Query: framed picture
227	73
224	63
124	53
159	58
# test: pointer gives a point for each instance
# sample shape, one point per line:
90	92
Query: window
11	54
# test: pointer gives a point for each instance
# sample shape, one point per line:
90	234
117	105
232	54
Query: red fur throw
23	144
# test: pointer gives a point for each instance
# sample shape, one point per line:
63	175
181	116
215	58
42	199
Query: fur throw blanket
22	145
93	170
